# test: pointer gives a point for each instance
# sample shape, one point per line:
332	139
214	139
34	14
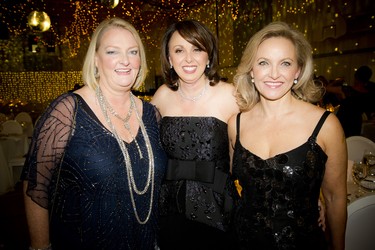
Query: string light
237	20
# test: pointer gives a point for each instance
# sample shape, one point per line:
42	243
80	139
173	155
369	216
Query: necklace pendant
126	125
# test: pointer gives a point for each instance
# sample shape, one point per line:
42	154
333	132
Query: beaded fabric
92	206
192	139
278	208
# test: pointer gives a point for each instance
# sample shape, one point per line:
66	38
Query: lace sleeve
50	138
158	115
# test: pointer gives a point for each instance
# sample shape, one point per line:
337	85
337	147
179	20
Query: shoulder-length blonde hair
305	89
89	71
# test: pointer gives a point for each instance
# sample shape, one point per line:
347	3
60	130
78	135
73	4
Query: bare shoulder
332	127
161	93
87	94
331	122
232	121
225	91
225	100
226	87
331	132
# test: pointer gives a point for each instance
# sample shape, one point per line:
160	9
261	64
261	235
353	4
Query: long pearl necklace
104	105
126	121
194	98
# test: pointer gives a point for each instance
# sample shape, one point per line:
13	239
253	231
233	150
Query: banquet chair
5	176
360	226
357	145
23	117
26	121
16	164
11	127
3	117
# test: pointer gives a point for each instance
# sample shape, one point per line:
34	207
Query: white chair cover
360	227
26	121
11	127
16	147
23	117
356	147
15	168
3	117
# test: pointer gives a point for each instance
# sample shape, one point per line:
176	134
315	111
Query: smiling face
275	67
188	61
117	58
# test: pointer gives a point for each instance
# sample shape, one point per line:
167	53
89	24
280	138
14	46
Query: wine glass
369	160
359	171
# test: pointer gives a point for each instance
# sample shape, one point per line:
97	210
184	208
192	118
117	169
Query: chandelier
39	21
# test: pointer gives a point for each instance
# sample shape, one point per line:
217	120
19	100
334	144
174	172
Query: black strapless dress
200	141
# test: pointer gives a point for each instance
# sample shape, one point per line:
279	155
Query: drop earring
96	72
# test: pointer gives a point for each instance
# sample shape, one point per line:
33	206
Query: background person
358	104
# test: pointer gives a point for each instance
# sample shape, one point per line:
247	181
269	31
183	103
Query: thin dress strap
320	124
238	126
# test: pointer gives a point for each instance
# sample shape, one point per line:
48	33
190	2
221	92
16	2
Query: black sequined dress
187	141
83	182
278	208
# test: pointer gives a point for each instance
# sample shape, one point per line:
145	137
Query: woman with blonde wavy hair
285	149
94	170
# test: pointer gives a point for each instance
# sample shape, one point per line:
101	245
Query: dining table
360	225
354	189
5	176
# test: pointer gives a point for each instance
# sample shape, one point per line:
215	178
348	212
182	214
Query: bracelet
49	247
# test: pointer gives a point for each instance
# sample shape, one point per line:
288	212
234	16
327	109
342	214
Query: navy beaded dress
188	142
278	208
76	169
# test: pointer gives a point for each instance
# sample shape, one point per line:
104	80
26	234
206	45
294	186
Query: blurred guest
93	173
285	149
359	103
334	93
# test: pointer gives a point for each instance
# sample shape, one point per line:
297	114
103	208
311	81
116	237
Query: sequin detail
278	208
92	208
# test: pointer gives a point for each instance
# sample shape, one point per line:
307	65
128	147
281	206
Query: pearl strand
129	171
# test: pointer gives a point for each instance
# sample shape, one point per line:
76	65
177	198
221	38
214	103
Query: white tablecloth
11	146
5	176
355	192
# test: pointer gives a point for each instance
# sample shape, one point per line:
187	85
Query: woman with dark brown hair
195	106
